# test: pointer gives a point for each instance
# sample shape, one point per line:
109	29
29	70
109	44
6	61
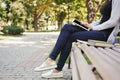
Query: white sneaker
46	66
51	74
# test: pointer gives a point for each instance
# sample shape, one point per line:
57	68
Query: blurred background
45	15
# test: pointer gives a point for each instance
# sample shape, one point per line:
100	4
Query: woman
100	30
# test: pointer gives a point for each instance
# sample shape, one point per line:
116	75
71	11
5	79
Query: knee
66	27
74	37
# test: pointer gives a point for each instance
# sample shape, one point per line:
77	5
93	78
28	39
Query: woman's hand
87	25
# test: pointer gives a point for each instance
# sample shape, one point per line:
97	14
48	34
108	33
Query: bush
12	30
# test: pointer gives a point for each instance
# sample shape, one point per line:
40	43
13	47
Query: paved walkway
20	55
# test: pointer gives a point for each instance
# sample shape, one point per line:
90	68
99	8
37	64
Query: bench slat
116	49
84	68
106	57
106	71
111	55
114	52
75	72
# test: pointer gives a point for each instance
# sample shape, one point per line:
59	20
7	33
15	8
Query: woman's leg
63	38
83	35
65	50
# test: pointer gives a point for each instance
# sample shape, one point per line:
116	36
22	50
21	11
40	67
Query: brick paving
20	55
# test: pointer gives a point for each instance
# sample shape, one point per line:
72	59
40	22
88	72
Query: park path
20	55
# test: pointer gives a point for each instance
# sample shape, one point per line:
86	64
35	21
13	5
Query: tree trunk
92	9
35	22
60	24
61	16
90	13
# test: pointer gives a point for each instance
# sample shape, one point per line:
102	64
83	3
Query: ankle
49	60
55	71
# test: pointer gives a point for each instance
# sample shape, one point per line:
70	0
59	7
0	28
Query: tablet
78	23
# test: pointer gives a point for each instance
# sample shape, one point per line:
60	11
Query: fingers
87	25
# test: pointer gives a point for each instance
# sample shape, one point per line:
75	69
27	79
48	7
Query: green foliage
28	13
12	30
61	8
35	9
58	2
78	10
2	11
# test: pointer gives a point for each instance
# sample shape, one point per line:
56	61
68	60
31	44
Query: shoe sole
60	76
46	68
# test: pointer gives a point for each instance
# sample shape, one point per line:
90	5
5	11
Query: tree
17	13
14	14
2	11
61	11
30	12
60	16
92	9
36	8
78	10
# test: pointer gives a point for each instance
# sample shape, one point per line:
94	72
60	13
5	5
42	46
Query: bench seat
105	62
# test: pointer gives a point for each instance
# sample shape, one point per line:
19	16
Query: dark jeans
69	34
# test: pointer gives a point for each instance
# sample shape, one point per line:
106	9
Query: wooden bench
105	62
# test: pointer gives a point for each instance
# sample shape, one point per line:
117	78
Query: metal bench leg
69	63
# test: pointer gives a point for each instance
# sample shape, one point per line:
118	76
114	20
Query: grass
2	38
87	59
67	61
43	31
6	36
